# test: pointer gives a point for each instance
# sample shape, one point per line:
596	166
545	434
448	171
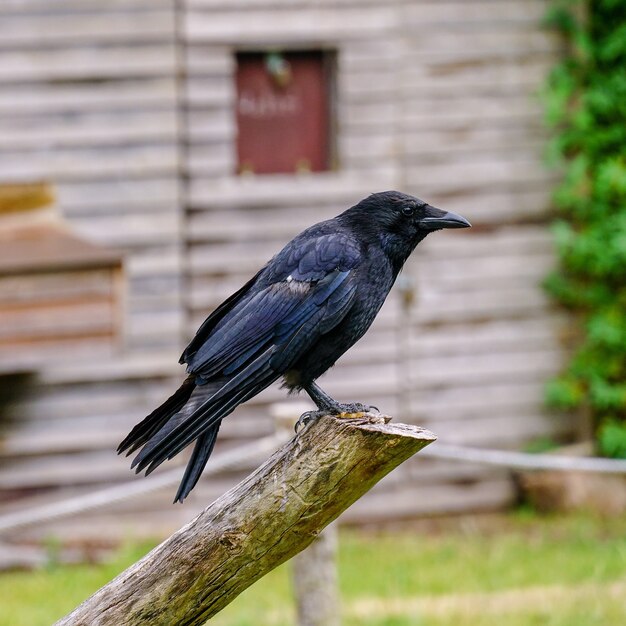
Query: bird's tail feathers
199	457
189	425
153	423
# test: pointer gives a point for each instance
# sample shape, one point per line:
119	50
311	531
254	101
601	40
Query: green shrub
586	106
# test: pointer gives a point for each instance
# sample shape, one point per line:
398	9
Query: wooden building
148	116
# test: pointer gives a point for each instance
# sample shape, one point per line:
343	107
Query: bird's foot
353	410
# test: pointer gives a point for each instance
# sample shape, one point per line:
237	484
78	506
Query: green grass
521	571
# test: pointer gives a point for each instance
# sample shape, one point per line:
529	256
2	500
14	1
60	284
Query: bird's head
400	221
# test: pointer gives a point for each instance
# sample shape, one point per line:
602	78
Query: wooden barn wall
88	101
438	97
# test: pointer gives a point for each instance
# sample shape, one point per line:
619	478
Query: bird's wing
209	324
258	340
313	285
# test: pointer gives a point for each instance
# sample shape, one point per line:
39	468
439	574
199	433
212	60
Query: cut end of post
378	423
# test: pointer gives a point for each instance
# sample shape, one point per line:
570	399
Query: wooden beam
266	519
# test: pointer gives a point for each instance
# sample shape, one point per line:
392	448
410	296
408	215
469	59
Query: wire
524	460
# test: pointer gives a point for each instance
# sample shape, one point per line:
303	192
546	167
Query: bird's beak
436	219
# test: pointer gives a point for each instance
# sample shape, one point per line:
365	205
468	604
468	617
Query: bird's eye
407	210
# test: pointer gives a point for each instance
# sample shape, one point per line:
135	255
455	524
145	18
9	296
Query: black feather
150	425
199	457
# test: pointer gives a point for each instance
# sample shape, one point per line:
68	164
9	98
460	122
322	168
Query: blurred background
155	153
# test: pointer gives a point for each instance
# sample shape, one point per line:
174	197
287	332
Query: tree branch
266	519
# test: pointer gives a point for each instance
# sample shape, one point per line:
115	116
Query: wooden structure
130	108
267	518
60	296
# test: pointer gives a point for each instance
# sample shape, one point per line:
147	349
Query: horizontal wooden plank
356	148
86	403
90	164
33	354
367	116
89	130
203	93
156	327
475	307
88	63
462	402
48	435
497	207
440	148
130	230
371	89
476	114
520	146
65	6
498	271
217	5
523	74
217	125
447	371
513	239
147	94
59	286
489	336
503	431
513	109
79	468
105	27
428	15
272	223
57	319
497	392
282	190
219	160
134	367
123	194
287	26
442	45
209	60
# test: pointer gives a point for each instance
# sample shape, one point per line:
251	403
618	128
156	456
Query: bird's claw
306	418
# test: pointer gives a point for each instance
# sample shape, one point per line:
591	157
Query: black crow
293	319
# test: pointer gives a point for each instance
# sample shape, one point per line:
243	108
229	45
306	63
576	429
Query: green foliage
612	436
586	106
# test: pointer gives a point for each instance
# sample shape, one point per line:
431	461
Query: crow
293	319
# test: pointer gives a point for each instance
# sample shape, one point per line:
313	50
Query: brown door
282	112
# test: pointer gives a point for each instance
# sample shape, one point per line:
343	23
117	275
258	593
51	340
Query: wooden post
266	519
314	575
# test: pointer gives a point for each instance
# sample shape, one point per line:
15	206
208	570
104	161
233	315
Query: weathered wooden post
266	519
315	584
